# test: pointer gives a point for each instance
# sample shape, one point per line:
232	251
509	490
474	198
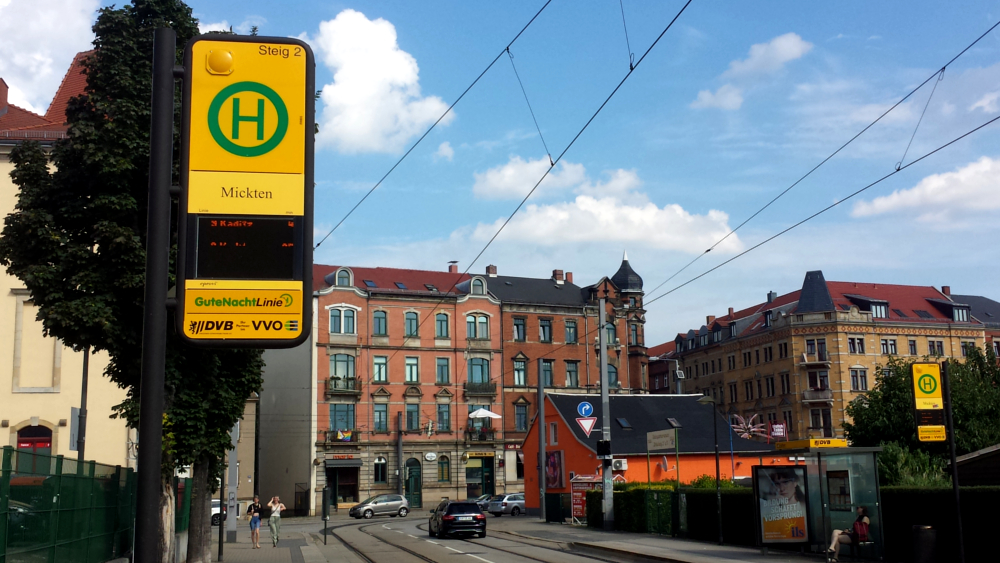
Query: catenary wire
824	161
552	165
821	211
431	128
531	111
628	46
919	121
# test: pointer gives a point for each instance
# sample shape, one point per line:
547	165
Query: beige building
799	359
40	378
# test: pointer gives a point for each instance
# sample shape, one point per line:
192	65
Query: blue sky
736	102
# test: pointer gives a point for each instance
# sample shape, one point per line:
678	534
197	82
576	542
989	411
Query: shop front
480	474
342	478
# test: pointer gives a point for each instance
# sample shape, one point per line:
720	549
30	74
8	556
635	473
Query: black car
454	516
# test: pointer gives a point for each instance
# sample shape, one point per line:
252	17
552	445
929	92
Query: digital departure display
247	247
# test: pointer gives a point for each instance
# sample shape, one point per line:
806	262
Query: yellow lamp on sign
219	62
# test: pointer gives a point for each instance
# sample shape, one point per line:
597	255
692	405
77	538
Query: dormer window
960	314
880	311
717	336
478	287
343	278
704	339
767	318
732	330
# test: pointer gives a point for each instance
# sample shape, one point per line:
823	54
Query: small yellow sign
245	193
927	387
932	433
813	443
223	309
482	454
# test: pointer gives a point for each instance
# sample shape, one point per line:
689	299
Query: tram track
560	550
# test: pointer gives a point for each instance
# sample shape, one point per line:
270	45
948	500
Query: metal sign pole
542	458
148	540
608	493
946	387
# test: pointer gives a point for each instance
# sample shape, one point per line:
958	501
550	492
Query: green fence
636	510
58	510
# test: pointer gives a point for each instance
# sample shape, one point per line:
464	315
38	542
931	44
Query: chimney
557	275
730	311
946	289
491	271
452	268
709	319
771	296
3	97
569	277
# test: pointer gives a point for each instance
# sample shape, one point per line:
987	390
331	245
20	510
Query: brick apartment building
800	358
403	356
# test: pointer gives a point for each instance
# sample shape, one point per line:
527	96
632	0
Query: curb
624	552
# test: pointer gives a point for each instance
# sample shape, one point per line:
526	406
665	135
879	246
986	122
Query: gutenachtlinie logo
226	139
285	300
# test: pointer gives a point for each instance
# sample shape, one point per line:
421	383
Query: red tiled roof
20	118
385	279
906	298
73	84
661	349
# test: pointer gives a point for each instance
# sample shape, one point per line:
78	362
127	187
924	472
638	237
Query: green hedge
737	516
636	510
905	507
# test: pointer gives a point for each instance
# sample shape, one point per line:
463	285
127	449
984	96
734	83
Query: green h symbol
258	119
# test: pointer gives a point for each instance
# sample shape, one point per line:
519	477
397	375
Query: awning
483	413
343	463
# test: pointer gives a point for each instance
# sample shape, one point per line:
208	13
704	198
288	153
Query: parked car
483	501
381	505
456	516
218	512
512	504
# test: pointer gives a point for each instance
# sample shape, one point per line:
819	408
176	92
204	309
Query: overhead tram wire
431	128
553	164
937	73
628	46
531	111
822	211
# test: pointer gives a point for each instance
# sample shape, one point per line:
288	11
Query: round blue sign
585	409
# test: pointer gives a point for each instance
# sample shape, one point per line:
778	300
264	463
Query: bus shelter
836	481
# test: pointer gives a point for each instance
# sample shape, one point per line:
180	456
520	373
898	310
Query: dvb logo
197	327
267	325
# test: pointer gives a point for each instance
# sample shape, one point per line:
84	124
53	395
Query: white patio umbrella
483	413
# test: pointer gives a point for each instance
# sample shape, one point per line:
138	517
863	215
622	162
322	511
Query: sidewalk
293	548
628	545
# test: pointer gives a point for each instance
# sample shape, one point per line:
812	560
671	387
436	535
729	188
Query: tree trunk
168	504
200	527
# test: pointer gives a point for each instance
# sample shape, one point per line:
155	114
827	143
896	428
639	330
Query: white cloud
242	28
940	198
590	219
374	103
770	57
37	43
988	103
726	97
516	178
217	26
445	151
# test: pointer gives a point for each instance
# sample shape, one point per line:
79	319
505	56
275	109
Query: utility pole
946	388
81	438
400	468
542	458
234	469
606	473
148	540
222	506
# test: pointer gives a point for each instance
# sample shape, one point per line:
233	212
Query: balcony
342	436
343	386
821	432
820	358
479	343
818	396
479	389
480	435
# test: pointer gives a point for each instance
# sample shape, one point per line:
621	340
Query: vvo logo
292	326
197	327
247	119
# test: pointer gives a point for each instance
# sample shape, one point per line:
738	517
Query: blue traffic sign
585	409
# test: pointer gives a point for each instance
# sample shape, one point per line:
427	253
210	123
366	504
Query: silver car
381	505
512	504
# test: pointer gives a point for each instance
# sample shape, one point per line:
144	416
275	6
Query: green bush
656	486
905	507
595	514
900	466
737	515
637	510
708	482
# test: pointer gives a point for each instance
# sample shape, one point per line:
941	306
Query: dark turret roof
626	280
815	296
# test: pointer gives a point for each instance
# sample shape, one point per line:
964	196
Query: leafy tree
77	240
706	481
898	465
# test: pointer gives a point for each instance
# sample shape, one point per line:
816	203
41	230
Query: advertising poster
554	470
580	485
783	504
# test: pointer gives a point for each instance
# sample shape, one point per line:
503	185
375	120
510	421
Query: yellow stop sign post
928	402
245	222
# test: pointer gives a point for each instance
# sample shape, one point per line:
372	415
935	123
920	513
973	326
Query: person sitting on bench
855	536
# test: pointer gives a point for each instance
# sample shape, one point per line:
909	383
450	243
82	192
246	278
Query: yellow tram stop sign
928	403
245	233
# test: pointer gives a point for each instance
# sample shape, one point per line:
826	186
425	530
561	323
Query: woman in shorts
254	512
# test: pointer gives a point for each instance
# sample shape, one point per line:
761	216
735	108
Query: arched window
348	321
444	469
483	331
479	370
470	326
441	325
478	287
611	334
334	321
343	278
381	470
411	324
477	326
342	321
379	324
342	366
612	377
33	440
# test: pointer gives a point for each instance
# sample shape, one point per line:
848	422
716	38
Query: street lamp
706	400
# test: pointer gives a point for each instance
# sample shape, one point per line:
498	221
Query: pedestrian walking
253	511
274	522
